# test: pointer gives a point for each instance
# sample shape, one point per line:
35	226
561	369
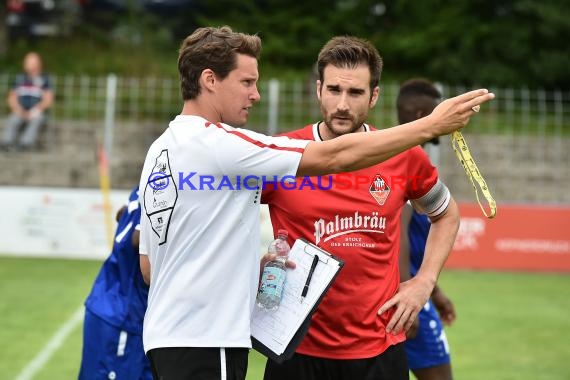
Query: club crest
379	189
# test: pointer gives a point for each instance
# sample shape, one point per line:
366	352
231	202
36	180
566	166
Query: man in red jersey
359	329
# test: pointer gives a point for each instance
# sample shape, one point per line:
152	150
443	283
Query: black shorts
390	365
198	363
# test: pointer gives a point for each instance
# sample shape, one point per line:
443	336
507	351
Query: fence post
558	132
273	110
110	114
105	155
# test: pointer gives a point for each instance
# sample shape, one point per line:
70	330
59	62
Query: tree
491	42
477	41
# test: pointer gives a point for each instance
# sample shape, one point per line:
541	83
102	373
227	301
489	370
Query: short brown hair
415	95
215	49
349	52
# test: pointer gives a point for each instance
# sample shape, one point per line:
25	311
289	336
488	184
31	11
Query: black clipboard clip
313	250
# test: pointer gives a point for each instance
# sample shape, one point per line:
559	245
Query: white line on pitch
51	347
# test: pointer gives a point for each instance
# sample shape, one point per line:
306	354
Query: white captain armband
435	202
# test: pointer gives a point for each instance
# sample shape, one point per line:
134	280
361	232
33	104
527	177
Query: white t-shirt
200	229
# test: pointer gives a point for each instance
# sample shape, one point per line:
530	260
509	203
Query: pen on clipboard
309	276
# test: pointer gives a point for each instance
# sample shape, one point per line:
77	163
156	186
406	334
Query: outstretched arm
355	151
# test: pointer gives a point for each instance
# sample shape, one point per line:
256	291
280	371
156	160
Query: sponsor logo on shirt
342	225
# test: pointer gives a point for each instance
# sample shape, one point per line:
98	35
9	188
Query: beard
338	124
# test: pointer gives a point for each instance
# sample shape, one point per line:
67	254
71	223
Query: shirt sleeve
243	152
428	194
435	202
422	175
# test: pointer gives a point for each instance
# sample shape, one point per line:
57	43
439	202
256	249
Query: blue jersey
119	294
417	234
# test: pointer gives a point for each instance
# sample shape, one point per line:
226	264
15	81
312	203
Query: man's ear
208	80
319	88
374	97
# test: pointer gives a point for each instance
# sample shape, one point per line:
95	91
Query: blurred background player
29	100
357	331
115	308
426	345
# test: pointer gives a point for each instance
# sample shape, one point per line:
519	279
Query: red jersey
355	216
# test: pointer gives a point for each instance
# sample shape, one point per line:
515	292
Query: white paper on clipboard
275	329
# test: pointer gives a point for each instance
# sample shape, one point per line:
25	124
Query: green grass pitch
509	325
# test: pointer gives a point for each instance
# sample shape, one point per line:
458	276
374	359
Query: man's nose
343	103
255	97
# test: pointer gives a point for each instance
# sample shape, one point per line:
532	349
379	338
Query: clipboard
277	334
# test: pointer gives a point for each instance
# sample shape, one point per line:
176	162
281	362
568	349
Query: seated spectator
29	100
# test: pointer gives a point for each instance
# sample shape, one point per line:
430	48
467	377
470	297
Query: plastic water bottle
274	272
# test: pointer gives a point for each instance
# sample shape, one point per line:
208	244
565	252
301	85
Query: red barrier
533	238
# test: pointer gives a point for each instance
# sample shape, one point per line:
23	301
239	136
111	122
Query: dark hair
215	49
416	95
349	52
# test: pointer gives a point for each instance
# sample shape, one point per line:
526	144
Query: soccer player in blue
115	308
426	345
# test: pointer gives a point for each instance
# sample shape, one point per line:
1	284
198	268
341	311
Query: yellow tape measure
464	155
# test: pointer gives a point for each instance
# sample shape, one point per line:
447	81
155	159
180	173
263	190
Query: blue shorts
110	353
429	348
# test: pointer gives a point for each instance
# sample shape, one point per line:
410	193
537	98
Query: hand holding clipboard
277	334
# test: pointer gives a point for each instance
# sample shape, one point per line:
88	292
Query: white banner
56	222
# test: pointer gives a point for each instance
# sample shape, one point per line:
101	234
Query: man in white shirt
200	186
